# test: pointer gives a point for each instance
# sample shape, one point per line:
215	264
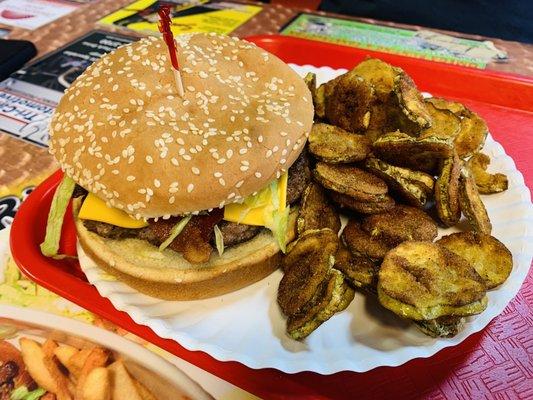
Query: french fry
97	385
48	347
64	353
62	391
34	358
97	358
144	392
77	361
123	386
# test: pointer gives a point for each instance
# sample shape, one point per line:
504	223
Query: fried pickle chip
334	297
380	74
334	145
472	135
490	258
447	191
350	180
414	187
419	154
319	102
441	327
425	281
364	207
443	104
486	183
380	116
348	100
358	270
400	224
361	243
306	265
411	101
471	204
316	212
445	124
310	81
473	129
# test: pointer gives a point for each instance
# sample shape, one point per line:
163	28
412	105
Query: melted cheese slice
257	210
95	209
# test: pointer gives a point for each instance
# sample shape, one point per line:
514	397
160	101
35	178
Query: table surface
496	363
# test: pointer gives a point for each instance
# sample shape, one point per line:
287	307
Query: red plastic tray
505	101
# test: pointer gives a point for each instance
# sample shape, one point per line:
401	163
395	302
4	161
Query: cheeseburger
182	197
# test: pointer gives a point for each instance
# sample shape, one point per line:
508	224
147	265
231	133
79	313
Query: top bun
122	132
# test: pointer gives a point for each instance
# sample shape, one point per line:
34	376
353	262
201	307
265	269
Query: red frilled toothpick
164	28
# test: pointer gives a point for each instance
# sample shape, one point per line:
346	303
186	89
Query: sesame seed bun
122	132
167	275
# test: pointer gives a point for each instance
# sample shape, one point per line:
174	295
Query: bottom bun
167	275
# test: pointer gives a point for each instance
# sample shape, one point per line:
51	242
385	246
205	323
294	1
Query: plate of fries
394	171
48	357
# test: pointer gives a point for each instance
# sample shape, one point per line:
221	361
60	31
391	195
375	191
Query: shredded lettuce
22	393
278	225
35	394
19	393
219	240
176	230
274	194
251	202
50	246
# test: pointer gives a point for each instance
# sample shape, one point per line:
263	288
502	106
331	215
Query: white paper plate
247	325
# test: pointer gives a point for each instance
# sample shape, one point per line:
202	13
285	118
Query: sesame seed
195	171
149	160
257	174
130	178
190	188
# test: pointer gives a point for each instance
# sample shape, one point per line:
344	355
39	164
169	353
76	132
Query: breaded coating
335	145
447	191
445	125
358	270
381	204
350	180
335	296
424	281
441	327
411	101
491	259
473	129
486	183
361	243
400	224
413	187
443	104
471	204
348	101
472	135
380	74
419	154
316	212
307	263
